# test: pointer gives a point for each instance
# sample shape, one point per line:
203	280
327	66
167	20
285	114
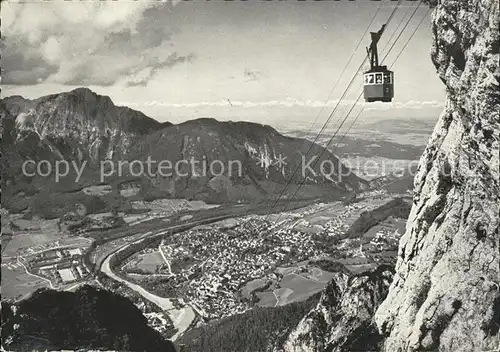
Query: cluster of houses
224	261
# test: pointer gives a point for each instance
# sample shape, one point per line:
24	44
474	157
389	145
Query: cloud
286	103
142	76
411	104
20	63
293	103
86	43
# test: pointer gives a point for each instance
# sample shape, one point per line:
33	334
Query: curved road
181	318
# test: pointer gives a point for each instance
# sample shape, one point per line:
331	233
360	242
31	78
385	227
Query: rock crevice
445	293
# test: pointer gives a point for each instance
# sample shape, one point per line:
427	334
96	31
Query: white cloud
287	103
51	49
81	43
290	103
34	18
412	104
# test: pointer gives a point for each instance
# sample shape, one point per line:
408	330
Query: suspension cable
400	33
399	54
349	112
397	28
332	114
326	124
411	36
328	99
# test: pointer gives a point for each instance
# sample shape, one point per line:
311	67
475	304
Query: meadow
17	284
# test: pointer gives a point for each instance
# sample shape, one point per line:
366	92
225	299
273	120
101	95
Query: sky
264	61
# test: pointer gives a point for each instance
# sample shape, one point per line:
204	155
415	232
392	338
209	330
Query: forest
258	329
87	319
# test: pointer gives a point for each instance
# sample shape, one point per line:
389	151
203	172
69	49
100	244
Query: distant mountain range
81	126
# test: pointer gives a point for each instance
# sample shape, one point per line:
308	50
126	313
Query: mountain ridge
86	128
445	292
88	318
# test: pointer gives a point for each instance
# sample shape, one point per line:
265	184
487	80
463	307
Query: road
165	259
38	277
181	318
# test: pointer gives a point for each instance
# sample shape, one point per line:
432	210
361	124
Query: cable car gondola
378	82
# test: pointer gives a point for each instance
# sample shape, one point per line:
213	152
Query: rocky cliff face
342	320
200	159
241	160
79	125
445	295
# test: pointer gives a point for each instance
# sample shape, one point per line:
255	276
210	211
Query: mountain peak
84	91
88	96
85	124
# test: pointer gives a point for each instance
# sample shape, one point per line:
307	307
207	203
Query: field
34	224
25	233
21	242
5	240
316	274
320	214
97	190
28	236
387	226
102	251
307	229
186	217
282	294
303	279
296	285
300	287
396	138
370	168
266	299
17	284
171	206
66	242
251	286
147	262
357	267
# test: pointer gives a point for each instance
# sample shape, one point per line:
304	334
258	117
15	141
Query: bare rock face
79	124
445	295
248	156
342	320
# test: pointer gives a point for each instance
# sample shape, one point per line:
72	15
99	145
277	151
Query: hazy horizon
265	62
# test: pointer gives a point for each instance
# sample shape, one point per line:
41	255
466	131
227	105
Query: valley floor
202	265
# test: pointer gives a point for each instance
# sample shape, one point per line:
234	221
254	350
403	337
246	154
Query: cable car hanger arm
372	50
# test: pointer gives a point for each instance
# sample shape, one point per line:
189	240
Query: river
181	318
